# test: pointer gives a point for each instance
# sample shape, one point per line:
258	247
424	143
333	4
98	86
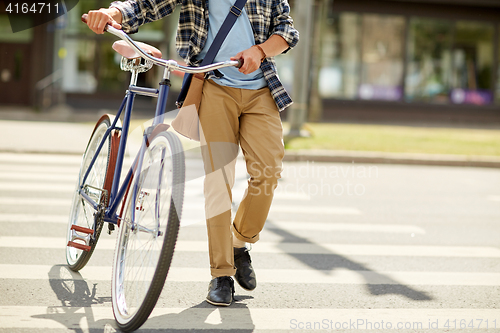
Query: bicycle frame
117	191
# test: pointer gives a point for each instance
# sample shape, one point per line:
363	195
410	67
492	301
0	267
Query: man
241	107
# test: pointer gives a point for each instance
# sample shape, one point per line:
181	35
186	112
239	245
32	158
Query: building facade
433	57
375	58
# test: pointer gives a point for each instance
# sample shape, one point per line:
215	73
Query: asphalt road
347	247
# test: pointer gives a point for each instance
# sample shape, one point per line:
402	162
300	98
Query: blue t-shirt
240	38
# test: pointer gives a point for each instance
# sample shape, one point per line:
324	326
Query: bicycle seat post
135	66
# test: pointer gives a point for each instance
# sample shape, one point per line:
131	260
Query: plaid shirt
267	17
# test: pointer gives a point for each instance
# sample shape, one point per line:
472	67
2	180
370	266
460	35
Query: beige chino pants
249	118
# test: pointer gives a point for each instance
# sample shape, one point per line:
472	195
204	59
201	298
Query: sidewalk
42	134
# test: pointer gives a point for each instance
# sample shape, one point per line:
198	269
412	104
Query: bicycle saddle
128	52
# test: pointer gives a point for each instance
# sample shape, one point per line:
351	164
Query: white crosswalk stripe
29	182
283	248
38	317
338	276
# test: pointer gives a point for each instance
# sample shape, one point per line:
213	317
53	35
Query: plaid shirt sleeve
138	12
282	23
272	17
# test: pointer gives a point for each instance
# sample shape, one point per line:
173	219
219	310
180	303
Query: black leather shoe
221	291
244	271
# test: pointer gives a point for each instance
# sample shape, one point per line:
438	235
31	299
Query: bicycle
151	194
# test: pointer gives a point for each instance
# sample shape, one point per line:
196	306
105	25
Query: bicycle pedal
82	229
79	246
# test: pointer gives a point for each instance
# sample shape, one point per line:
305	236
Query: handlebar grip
85	17
240	63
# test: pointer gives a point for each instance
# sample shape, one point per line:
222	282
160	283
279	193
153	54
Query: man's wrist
264	55
115	13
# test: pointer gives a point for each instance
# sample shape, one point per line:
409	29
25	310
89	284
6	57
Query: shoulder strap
234	13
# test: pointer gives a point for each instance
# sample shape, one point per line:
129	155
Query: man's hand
98	19
251	60
253	56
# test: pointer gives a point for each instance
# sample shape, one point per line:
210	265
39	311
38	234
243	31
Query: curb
392	158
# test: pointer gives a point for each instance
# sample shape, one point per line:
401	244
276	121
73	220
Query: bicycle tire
143	256
82	214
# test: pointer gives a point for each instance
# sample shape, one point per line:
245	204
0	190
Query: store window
382	65
472	63
91	65
498	68
339	76
450	62
363	57
428	75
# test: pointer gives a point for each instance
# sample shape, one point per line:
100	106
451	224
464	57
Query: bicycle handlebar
170	64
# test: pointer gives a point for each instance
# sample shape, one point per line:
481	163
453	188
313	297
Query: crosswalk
323	264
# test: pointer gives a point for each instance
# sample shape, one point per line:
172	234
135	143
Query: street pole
303	18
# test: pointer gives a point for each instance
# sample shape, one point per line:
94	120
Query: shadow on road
329	261
76	311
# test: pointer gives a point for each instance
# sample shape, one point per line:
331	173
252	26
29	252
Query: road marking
200	222
108	243
5	177
243	318
39	169
280	276
22	201
41	158
356	227
37	187
324	226
33	218
324	210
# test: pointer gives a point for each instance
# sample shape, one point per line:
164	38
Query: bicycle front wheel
148	231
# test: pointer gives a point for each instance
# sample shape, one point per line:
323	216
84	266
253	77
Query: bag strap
228	24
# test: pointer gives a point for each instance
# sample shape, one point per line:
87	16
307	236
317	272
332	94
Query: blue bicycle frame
117	192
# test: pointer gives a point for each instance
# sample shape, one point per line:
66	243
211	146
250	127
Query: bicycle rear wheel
81	219
148	231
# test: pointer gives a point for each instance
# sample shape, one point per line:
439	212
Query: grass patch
402	139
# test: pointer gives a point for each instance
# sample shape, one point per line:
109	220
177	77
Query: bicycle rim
82	214
148	231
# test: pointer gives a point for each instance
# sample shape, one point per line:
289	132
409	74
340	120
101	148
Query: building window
472	63
363	57
450	62
382	49
429	60
498	66
91	65
339	75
